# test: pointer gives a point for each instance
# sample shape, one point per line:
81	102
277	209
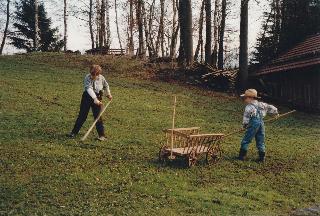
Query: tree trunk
208	32
162	27
65	38
146	31
141	50
103	24
117	24
243	55
200	41
175	30
160	37
221	34
91	23
150	24
215	34
6	28
108	31
173	44
98	24
131	26
36	26
186	39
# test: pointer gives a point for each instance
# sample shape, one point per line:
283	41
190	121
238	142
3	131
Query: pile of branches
203	75
207	76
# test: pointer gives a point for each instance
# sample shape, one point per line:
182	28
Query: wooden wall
300	88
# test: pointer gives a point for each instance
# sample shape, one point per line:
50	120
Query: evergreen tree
23	38
268	40
288	23
301	18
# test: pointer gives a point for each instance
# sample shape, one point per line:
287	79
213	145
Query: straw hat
250	93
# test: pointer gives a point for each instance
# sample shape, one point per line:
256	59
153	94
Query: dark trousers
86	104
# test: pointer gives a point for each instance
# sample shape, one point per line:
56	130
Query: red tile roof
304	54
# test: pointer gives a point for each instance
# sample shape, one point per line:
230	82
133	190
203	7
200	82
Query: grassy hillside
43	172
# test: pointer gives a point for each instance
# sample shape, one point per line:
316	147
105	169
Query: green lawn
42	172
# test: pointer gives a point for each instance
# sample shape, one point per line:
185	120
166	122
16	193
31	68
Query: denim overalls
255	130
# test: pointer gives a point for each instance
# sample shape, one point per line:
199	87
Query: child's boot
102	138
262	157
71	135
242	154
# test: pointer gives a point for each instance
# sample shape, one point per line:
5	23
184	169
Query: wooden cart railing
190	144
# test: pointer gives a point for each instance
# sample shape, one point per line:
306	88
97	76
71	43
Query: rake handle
280	116
94	123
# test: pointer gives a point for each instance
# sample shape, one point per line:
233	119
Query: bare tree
91	23
65	38
146	29
243	55
117	24
200	40
102	23
221	34
102	35
208	32
141	49
215	33
175	30
131	26
36	26
98	24
186	39
5	33
108	31
160	38
150	25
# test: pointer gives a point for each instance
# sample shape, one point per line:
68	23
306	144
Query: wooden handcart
189	144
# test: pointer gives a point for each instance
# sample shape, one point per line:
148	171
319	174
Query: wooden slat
182	129
206	135
181	151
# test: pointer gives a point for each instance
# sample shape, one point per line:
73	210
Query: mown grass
42	172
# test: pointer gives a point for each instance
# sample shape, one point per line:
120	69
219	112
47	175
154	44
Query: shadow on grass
180	163
175	164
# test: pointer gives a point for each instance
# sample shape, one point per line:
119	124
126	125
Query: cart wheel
214	154
163	154
192	159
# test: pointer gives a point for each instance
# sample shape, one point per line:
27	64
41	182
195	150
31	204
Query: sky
79	35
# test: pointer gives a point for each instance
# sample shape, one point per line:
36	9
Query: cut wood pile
207	76
201	75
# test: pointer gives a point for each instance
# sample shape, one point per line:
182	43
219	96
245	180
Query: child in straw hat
94	86
253	116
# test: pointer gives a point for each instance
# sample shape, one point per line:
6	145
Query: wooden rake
269	120
95	121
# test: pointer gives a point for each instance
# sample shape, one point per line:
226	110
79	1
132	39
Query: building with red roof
294	77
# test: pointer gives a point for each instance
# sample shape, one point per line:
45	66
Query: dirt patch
311	211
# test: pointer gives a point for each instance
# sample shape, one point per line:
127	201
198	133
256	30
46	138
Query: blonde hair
95	70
